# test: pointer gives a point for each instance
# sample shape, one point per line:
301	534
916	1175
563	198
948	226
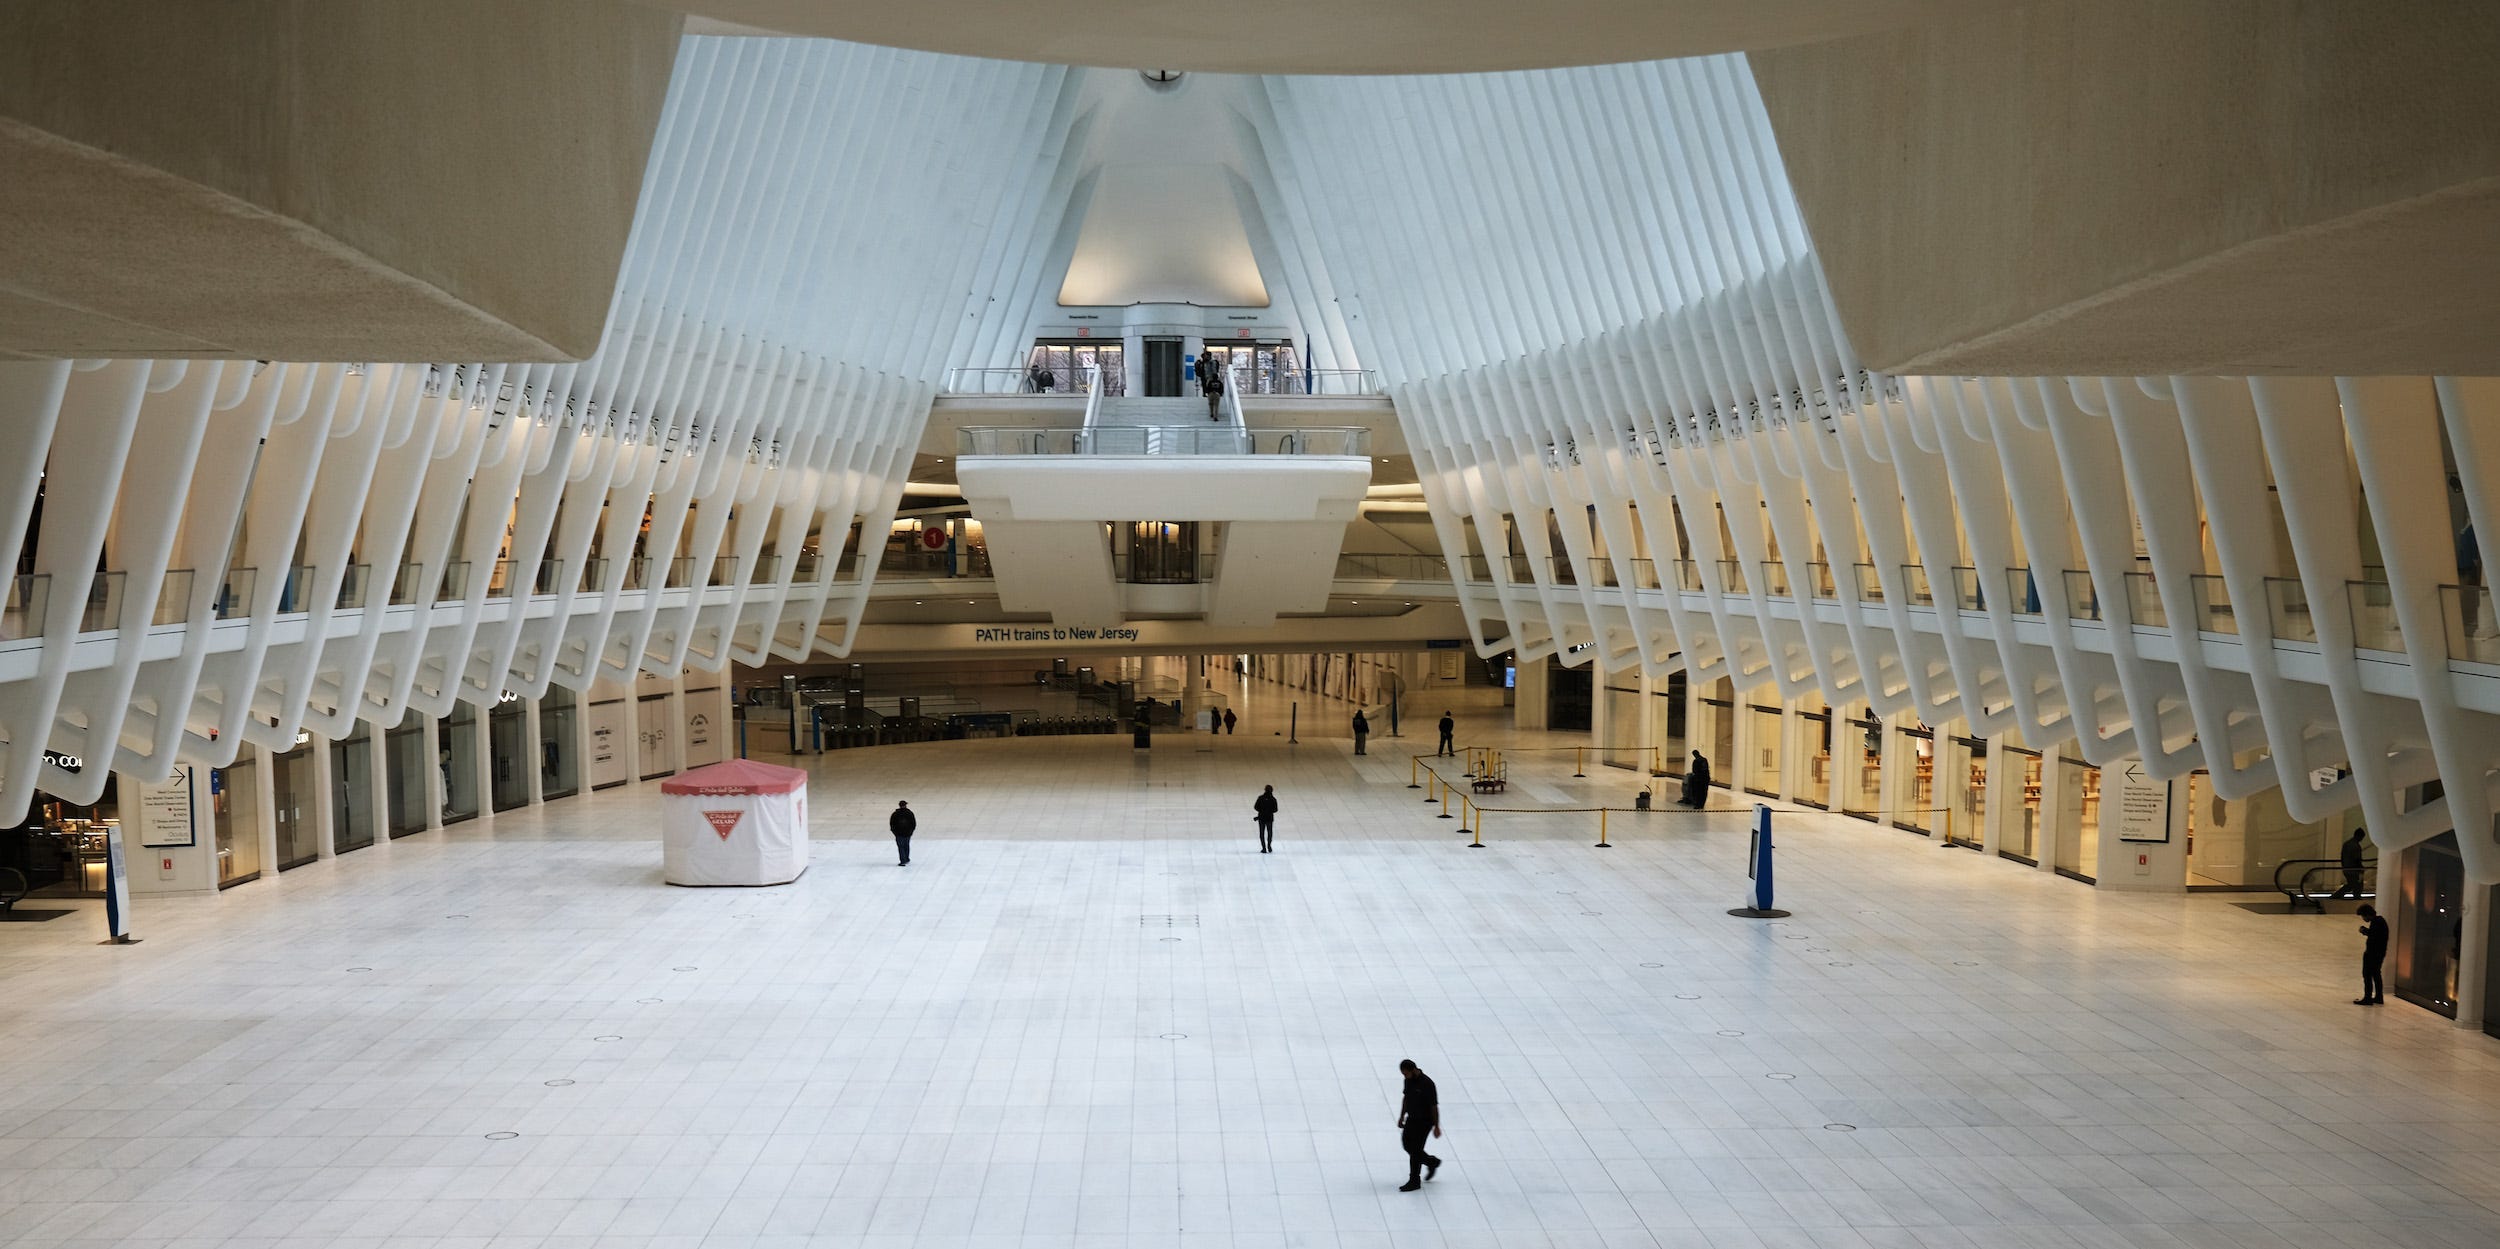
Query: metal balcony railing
1211	438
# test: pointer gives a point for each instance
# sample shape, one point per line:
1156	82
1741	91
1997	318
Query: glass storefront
2241	843
1916	810
2079	820
404	756
456	755
351	786
2428	915
235	805
60	847
2022	832
1814	733
1966	772
559	772
1762	753
295	808
508	754
1866	738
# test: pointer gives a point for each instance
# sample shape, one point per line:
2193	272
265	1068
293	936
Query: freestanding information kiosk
734	823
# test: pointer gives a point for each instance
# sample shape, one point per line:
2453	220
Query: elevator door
1163	367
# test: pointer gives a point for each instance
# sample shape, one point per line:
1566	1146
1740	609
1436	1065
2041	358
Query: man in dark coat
1697	783
1362	730
1419	1119
1449	730
1264	811
901	823
2352	864
2373	955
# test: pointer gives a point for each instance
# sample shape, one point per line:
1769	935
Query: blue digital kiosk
1758	870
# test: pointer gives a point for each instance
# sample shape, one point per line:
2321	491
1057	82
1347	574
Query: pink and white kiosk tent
734	823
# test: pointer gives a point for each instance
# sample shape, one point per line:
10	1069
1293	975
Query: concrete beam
2121	187
301	180
1325	36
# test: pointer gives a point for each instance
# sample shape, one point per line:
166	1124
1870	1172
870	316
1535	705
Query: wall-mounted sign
165	815
2143	805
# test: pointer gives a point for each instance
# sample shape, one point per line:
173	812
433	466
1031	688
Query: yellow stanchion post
1471	768
1437	782
1579	761
1478	843
1411	765
1601	830
1445	801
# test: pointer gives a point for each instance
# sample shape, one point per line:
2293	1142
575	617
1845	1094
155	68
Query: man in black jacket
2352	864
901	824
2373	955
1449	730
1264	811
1419	1118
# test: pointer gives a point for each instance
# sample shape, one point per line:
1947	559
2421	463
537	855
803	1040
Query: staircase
1135	410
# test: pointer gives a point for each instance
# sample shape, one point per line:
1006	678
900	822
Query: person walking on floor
1229	721
2373	955
2352	864
1419	1118
1449	729
1211	384
901	824
1362	730
1264	811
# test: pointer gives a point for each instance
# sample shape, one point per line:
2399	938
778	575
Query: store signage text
1073	633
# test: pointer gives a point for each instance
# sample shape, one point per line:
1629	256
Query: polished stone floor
1089	1014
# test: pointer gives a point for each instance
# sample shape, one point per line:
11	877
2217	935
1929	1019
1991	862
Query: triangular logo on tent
723	821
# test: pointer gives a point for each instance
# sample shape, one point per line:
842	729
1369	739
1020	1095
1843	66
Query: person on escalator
2352	864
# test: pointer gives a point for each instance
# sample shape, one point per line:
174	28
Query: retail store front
59	848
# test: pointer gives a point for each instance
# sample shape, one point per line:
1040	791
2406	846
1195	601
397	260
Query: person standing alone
1362	730
2373	956
1264	811
1449	730
901	824
1419	1119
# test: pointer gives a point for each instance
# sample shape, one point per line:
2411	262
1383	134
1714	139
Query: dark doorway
1567	698
291	788
1163	367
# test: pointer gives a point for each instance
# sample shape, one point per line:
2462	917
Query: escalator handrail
2311	868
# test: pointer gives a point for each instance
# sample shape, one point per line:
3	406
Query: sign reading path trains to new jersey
2143	804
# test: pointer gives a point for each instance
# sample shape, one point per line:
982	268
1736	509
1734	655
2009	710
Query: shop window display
1762	756
1917	811
2079	818
235	806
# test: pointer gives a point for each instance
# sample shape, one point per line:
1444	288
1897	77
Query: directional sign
2143	805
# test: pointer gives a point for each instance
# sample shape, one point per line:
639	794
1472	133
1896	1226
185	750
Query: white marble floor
1090	1015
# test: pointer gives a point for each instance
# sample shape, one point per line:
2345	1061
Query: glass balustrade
2374	623
2213	604
1209	438
2144	608
2473	629
2022	592
2083	602
1968	593
23	617
1914	588
2287	610
1870	584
